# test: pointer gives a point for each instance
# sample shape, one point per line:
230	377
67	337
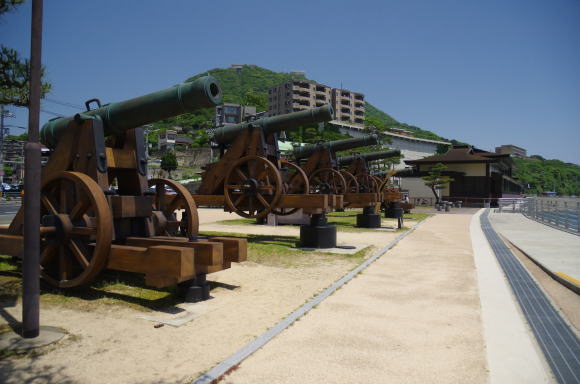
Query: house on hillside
478	176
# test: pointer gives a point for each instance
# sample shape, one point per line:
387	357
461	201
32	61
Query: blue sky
484	72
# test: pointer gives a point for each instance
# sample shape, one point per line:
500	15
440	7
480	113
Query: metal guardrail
562	213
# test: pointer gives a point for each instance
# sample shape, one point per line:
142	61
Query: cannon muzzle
290	121
119	117
335	146
370	156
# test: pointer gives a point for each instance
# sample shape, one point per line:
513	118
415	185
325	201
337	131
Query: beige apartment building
298	95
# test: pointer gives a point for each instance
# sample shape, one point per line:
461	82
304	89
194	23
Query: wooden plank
130	206
11	245
120	158
304	201
206	253
209	200
235	249
162	265
392	196
361	198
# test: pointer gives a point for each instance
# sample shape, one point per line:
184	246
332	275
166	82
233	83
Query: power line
64	103
52	113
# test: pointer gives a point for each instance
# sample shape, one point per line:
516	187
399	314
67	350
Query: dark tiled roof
457	155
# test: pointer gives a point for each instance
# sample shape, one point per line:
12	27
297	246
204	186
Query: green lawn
344	221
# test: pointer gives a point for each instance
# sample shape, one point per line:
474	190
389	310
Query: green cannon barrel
289	121
335	146
370	156
119	117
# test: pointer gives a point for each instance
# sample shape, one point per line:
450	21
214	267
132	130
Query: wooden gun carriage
251	179
97	208
358	166
319	162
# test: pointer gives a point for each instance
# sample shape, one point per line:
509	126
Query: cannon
99	210
251	178
358	166
320	165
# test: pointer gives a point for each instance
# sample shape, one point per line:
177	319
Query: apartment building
510	149
298	95
229	113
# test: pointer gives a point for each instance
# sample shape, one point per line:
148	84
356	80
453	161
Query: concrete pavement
556	251
413	316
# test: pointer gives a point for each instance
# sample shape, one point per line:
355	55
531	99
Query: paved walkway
413	316
555	250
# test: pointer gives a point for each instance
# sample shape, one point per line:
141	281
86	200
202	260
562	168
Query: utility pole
32	175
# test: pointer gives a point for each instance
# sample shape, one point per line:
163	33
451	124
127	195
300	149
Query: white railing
559	212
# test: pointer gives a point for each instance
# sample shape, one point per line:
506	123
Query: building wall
412	149
513	150
468	169
416	187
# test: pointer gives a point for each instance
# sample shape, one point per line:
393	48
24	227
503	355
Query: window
231	119
230	110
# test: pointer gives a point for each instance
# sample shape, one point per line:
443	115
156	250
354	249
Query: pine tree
435	181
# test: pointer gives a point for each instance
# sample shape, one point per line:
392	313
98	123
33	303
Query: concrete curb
512	353
233	361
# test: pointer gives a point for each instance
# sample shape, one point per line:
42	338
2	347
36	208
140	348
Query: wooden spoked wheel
383	185
77	229
367	184
171	196
351	183
327	181
294	181
252	187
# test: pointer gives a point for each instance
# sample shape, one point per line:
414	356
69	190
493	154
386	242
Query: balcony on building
345	94
318	104
359	105
345	102
359	97
359	113
320	97
359	121
345	110
345	118
320	89
302	84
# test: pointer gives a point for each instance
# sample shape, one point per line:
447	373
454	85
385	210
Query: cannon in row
251	178
98	210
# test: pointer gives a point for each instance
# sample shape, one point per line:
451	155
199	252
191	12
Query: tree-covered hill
249	85
547	175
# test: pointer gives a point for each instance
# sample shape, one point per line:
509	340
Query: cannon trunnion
99	210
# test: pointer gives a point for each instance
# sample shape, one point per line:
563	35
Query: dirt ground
115	345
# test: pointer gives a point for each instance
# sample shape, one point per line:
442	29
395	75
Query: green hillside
249	85
547	175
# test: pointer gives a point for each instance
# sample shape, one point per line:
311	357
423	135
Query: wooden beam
209	200
162	265
11	245
120	158
235	249
304	201
206	253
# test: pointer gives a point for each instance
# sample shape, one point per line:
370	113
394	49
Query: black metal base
195	290
318	234
371	220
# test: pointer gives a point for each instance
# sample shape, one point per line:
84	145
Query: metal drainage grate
559	344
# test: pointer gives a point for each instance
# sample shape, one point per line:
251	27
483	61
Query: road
7	211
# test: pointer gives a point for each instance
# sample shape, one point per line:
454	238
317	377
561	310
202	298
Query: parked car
6	187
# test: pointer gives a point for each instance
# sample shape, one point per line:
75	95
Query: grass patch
114	288
110	288
273	250
344	221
